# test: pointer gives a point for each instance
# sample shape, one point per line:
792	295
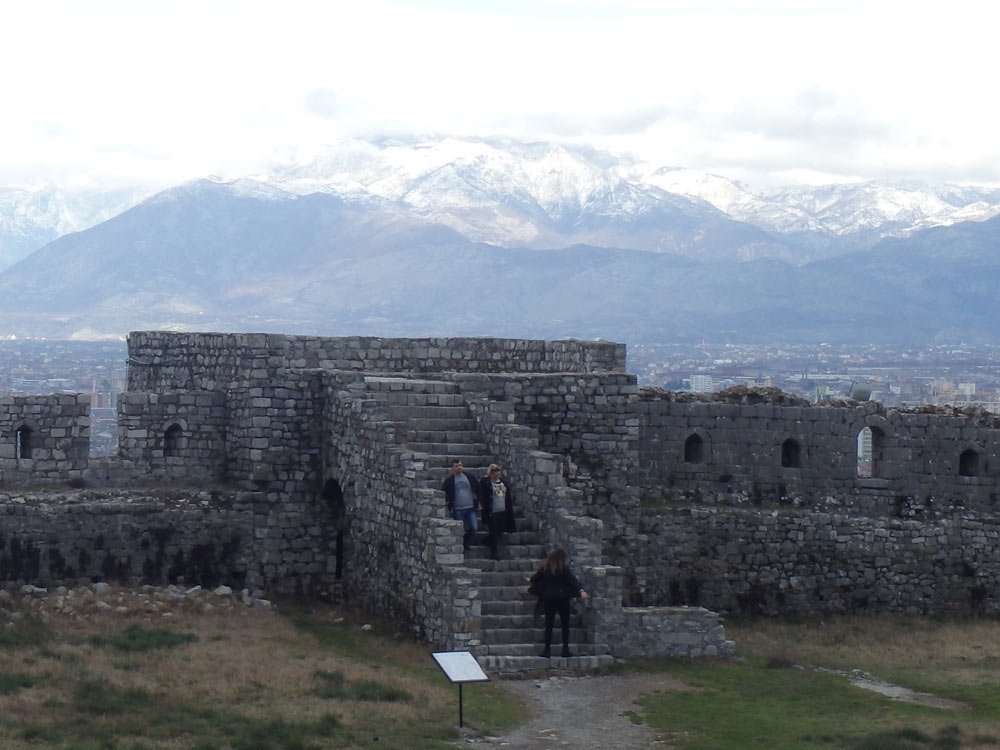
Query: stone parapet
163	360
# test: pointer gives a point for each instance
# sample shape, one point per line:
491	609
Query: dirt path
583	713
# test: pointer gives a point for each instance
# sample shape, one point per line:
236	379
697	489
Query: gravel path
583	713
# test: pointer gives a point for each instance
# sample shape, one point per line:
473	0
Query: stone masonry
293	465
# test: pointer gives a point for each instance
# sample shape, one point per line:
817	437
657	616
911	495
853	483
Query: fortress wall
402	556
273	440
54	442
917	457
801	562
175	436
163	360
184	537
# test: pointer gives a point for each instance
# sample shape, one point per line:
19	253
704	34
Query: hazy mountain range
472	237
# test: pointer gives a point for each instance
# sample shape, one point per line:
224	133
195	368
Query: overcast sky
767	92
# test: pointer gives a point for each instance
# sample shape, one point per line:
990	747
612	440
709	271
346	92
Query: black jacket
486	500
561	585
448	485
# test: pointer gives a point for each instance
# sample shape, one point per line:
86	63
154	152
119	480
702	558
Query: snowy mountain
544	195
213	255
33	217
473	237
549	195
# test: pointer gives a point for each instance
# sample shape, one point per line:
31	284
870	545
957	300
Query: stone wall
804	562
184	537
44	439
174	436
403	555
764	454
162	360
675	631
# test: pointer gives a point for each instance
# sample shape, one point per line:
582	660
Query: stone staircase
439	427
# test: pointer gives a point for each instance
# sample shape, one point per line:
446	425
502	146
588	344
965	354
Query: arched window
22	442
870	444
173	440
968	463
791	453
694	450
866	467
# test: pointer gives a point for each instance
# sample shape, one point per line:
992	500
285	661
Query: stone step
496	578
520	607
416	398
504	594
446	451
432	473
491	622
421	385
416	434
513	664
533	649
439	424
430	411
530	551
488	565
515	636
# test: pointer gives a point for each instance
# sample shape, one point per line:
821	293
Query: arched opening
870	443
791	454
694	450
864	453
22	442
173	440
333	496
968	463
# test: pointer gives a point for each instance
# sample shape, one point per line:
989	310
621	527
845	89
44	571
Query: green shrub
136	638
98	697
11	682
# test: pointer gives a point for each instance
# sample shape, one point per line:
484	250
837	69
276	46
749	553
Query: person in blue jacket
555	584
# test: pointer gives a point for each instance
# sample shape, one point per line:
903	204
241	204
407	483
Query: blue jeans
468	517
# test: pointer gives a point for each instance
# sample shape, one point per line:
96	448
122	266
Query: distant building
702	383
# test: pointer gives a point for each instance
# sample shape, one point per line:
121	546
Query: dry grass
249	671
883	642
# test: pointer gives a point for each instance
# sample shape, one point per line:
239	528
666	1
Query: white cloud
166	90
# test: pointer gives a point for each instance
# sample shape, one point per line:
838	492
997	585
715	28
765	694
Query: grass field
241	679
769	701
313	679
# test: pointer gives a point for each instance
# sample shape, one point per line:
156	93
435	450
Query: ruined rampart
765	507
295	456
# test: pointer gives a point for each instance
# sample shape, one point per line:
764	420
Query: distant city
956	375
33	367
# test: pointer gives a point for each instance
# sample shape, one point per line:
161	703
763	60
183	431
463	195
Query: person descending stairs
439	428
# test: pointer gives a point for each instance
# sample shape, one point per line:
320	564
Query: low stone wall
190	538
796	562
679	631
163	360
44	439
158	536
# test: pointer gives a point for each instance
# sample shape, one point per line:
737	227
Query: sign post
460	667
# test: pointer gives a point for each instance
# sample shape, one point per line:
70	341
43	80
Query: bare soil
583	713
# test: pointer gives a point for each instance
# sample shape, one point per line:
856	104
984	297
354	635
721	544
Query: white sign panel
460	666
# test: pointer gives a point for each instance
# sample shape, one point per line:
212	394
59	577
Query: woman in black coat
497	502
555	585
